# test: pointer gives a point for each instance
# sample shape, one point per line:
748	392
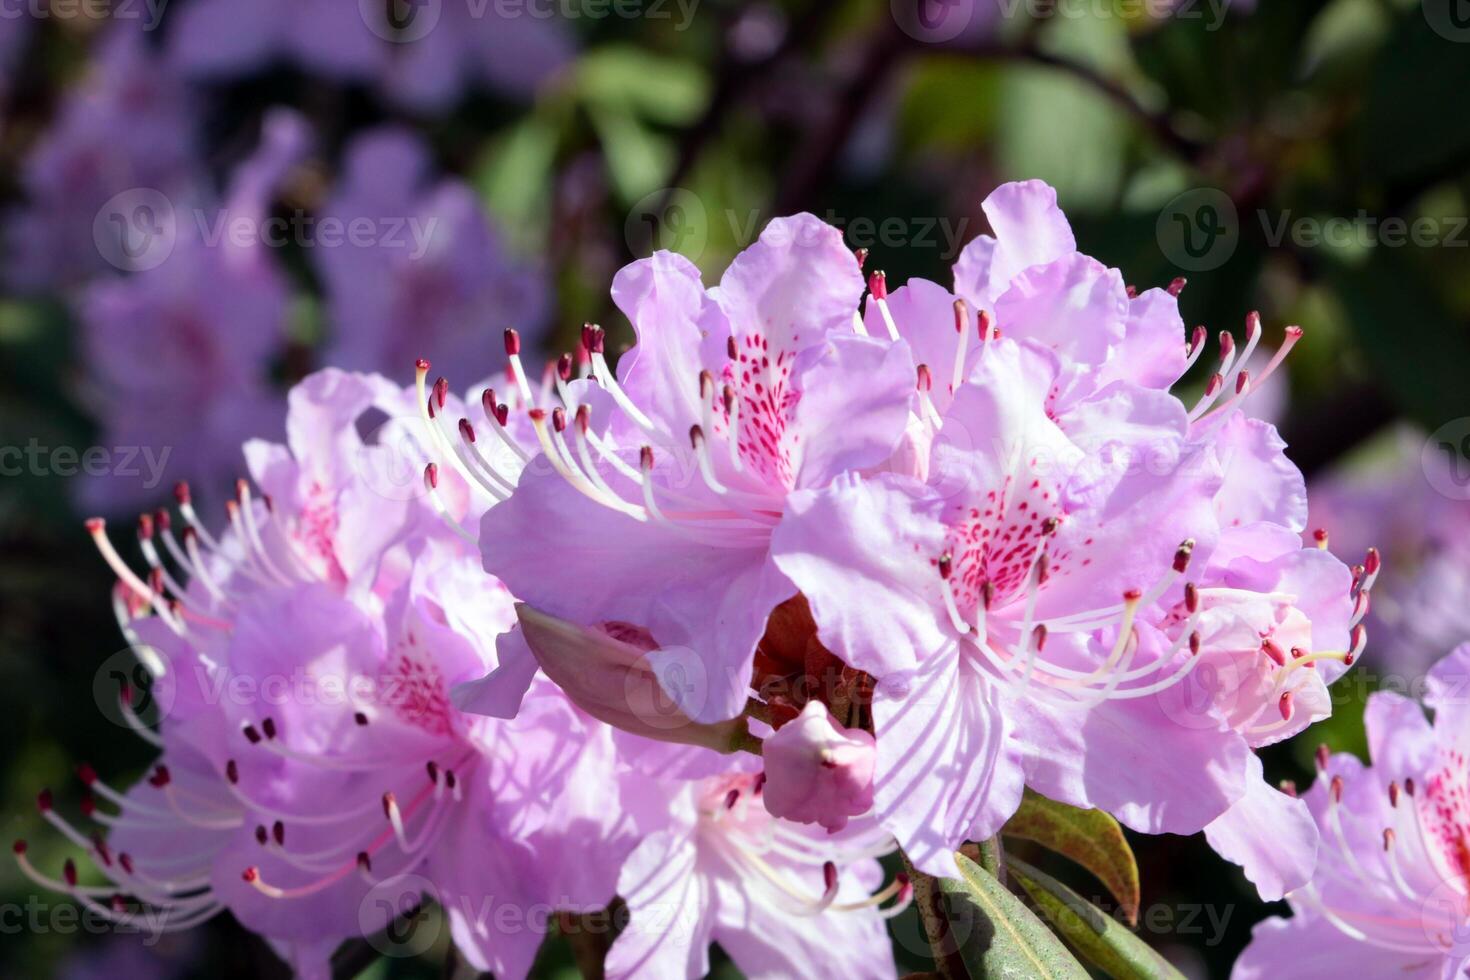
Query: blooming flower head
780	899
1391	892
422	55
178	355
433	279
129	125
1404	496
312	760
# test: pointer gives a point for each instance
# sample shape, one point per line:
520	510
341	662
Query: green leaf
1090	837
637	156
1103	941
996	935
664	90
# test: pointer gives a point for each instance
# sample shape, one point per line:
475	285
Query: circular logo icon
1211	691
1443	916
397	917
400	21
393	455
932	21
1199	230
133	686
1450	19
674	688
1445	459
135	230
671	219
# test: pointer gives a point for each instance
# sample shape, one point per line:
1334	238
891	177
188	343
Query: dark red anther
160	777
1284	705
512	342
421	364
1409	785
946	565
731	798
537	414
1181	557
449	779
364	862
559	419
119	904
251	734
1373	562
1242	381
1176	286
232	771
645	458
502	414
925	378
69	872
1334	788
487	401
1274	652
181	493
389	803
163	520
585	338
564	367
86	774
145	527
251	874
1393	794
596	339
1320	536
441	391
1227	344
433	412
431	478
95	525
1216	382
1388	838
1043	569
1197	339
729	400
155	581
466	430
88	805
987	593
1050	526
696	435
1131	290
861	254
583	418
126	860
829	876
432	768
731	349
1288	787
268	725
1039	636
878	285
359	717
1322	756
19	847
1132	595
985	323
278	833
1194	644
261	834
44	801
1252	324
961	315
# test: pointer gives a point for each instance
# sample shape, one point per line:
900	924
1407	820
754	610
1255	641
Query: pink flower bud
613	681
817	772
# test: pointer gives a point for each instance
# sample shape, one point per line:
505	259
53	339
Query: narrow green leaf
1103	941
1090	837
996	935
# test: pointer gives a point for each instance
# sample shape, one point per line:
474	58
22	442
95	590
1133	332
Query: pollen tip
731	798
251	874
1288	786
95	525
232	771
359	717
1323	754
86	774
421	365
69	872
878	284
431	479
945	565
512	342
861	255
1335	788
1176	286
1284	705
466	430
44	800
182	493
829	875
645	458
19	847
564	367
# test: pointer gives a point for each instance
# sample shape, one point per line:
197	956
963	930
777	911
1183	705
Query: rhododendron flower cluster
825	568
1391	891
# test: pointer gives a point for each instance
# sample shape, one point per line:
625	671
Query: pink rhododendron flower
313	762
1390	895
1405	496
661	500
178	356
817	772
129	125
433	279
780	899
